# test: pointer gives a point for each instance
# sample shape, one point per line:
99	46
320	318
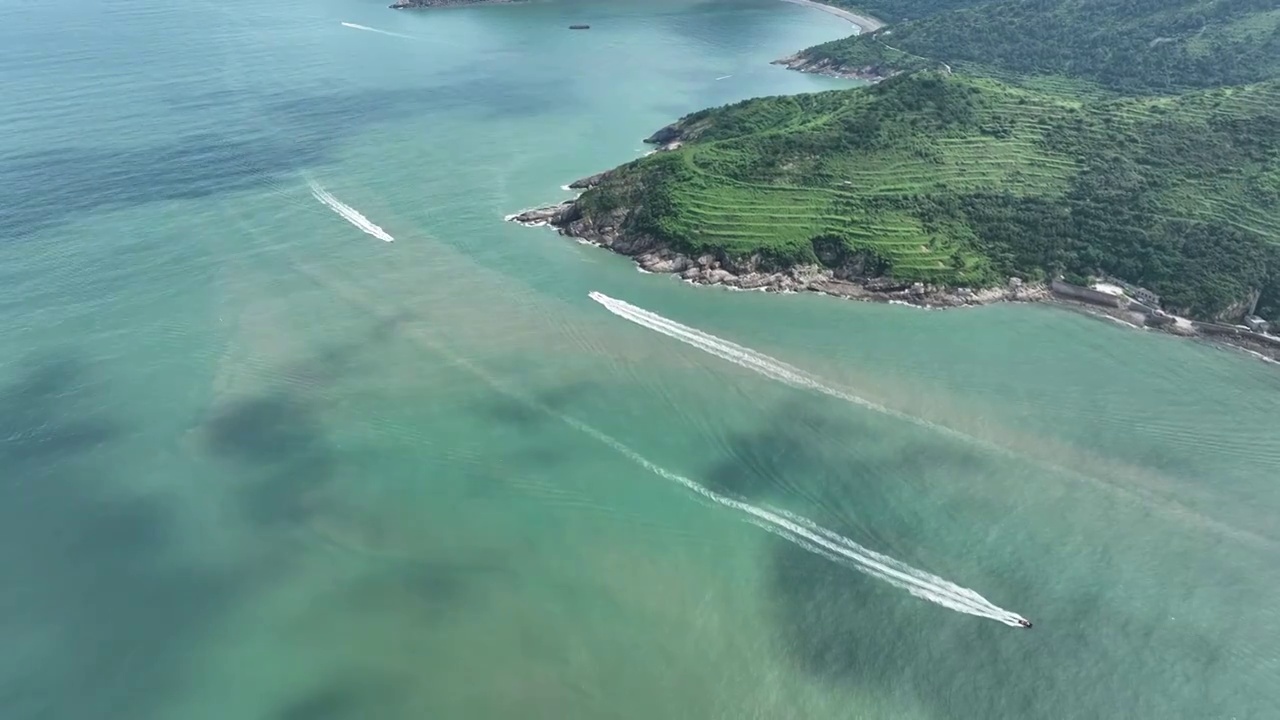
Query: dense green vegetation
1128	46
1136	138
960	180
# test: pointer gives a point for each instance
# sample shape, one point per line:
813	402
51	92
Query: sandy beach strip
865	23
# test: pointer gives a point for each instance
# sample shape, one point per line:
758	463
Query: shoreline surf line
801	531
348	213
865	23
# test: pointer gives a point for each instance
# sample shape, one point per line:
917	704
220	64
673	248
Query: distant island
411	4
957	182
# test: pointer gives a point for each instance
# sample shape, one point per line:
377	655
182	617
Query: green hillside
1127	46
965	181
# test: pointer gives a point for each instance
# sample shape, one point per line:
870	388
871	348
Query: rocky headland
845	277
801	62
629	210
840	273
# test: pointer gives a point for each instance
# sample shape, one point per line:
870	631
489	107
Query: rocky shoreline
838	278
865	23
839	273
800	63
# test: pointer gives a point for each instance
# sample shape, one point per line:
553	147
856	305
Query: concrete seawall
1219	330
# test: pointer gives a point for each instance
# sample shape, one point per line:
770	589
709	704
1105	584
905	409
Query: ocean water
258	462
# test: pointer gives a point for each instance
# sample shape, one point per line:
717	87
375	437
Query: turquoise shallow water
257	463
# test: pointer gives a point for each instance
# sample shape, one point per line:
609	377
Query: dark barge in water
579	27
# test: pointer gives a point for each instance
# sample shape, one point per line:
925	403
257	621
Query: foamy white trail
366	28
812	537
919	583
759	362
793	528
348	213
782	372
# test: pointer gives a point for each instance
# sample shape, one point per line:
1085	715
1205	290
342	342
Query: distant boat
579	27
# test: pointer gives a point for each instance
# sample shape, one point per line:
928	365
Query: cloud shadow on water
48	187
426	589
483	95
346	698
537	412
277	437
100	613
842	626
35	418
269	140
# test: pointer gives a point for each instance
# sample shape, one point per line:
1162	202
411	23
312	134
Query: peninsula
949	190
949	183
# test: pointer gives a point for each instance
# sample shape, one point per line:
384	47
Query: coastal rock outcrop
589	182
670	133
803	63
672	136
557	215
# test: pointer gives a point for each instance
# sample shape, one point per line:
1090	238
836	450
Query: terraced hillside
963	181
1132	47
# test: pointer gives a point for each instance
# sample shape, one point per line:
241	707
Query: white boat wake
835	547
366	28
919	583
796	529
348	213
758	362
